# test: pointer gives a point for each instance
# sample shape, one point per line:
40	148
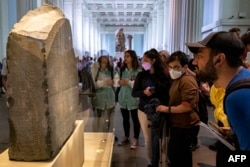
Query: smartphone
152	89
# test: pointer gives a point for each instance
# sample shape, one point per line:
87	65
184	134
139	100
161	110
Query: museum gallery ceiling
125	13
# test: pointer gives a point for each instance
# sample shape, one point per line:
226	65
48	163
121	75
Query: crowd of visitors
166	96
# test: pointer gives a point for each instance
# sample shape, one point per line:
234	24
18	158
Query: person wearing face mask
182	110
150	83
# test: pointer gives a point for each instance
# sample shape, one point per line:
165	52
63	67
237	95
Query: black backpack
88	82
240	84
243	83
202	107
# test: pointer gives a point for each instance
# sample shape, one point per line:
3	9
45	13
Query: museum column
85	30
145	45
92	35
24	6
165	24
11	11
191	22
154	30
130	37
159	24
150	34
186	22
77	27
68	10
4	28
175	25
95	29
99	34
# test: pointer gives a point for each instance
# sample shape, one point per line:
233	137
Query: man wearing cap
219	60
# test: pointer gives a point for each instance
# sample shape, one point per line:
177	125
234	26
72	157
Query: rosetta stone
42	85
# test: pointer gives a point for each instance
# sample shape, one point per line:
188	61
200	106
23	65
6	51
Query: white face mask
174	74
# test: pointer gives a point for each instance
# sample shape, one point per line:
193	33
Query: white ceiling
111	14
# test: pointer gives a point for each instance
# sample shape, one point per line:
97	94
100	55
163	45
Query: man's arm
4	81
4	73
137	90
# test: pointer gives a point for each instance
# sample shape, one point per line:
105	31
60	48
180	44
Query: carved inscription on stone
42	85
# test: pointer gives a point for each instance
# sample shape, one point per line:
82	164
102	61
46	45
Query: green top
125	98
105	96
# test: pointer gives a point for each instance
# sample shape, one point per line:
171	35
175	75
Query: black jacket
143	80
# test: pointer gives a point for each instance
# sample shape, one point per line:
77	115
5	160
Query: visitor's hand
226	131
161	108
109	82
147	91
123	82
205	88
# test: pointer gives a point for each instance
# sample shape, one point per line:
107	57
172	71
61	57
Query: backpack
240	84
243	83
202	108
88	86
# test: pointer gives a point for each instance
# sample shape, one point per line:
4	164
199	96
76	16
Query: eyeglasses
174	68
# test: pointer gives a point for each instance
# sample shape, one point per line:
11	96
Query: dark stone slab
42	85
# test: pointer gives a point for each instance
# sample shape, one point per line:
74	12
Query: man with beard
219	60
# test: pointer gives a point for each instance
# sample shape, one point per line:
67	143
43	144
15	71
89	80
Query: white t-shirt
4	70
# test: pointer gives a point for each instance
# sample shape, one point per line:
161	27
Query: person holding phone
150	83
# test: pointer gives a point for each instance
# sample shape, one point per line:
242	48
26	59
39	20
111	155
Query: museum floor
122	156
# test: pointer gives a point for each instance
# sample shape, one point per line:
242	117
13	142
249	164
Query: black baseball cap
221	41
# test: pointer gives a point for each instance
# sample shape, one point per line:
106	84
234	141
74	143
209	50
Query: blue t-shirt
237	106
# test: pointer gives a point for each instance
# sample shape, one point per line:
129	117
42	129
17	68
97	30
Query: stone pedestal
98	149
71	155
42	85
